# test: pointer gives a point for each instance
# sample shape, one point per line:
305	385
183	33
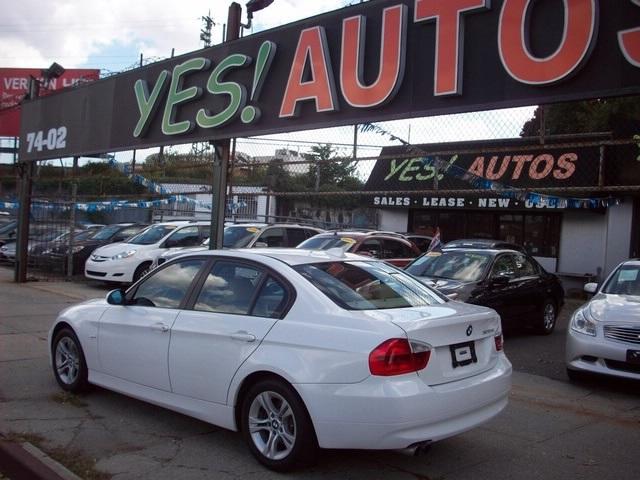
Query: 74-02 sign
53	139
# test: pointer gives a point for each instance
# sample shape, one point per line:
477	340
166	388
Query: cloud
112	33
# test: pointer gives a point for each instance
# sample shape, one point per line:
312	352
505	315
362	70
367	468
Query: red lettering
491	175
477	167
312	48
392	58
629	41
520	160
534	173
578	38
449	39
566	167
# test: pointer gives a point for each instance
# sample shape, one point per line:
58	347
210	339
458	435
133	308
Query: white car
251	235
297	349
604	334
129	261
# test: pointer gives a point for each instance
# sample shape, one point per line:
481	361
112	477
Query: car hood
448	286
116	248
606	307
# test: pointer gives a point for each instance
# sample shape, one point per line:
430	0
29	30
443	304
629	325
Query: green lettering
452	160
177	96
236	92
394	168
411	167
148	104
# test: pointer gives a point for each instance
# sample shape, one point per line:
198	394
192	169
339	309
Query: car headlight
581	323
122	255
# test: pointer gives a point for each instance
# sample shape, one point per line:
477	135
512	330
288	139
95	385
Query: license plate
463	354
633	357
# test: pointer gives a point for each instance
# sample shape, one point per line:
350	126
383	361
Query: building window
538	233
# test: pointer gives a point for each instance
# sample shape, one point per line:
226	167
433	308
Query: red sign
14	85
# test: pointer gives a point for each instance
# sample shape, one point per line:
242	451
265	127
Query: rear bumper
397	412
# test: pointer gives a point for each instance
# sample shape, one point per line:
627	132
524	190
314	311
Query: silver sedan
604	334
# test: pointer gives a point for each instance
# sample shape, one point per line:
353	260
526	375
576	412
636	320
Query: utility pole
222	151
205	33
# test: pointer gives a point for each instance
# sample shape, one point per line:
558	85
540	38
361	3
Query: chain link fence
330	178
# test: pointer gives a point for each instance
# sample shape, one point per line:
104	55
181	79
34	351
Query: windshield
626	281
327	242
453	265
367	285
106	233
9	227
152	234
238	237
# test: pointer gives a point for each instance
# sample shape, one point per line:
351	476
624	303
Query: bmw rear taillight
398	356
499	342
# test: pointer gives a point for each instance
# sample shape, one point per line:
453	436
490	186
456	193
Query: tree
620	116
330	172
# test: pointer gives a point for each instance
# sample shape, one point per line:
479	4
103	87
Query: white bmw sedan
296	349
604	334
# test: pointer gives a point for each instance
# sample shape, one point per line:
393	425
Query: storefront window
538	233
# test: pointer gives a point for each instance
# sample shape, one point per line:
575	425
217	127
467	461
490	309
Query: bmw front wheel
69	366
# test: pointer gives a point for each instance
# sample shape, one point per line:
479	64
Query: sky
110	35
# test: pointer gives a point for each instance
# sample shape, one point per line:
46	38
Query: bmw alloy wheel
272	425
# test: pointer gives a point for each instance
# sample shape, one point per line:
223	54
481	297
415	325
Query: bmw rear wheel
276	426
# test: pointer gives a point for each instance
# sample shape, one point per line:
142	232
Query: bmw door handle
243	336
160	327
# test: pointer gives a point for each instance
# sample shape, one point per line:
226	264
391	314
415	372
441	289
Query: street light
254	6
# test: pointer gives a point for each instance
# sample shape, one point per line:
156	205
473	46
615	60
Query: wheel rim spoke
272	425
67	361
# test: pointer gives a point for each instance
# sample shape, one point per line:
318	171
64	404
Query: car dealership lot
551	429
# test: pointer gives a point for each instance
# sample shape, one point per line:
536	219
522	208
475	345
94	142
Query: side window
203	233
524	267
295	236
370	246
229	288
271	300
185	237
310	233
273	237
503	267
395	249
167	287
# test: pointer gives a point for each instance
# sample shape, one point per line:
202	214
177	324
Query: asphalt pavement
552	429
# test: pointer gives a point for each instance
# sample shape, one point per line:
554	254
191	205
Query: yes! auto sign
14	85
373	61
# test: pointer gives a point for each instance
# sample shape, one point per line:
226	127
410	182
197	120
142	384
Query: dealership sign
379	60
14	85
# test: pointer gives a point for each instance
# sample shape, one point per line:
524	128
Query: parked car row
388	323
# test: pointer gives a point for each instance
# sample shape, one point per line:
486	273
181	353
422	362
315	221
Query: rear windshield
327	242
452	264
368	285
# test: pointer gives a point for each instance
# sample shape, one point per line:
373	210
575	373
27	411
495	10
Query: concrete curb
27	462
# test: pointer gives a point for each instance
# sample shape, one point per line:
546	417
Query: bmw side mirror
260	245
591	288
116	297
